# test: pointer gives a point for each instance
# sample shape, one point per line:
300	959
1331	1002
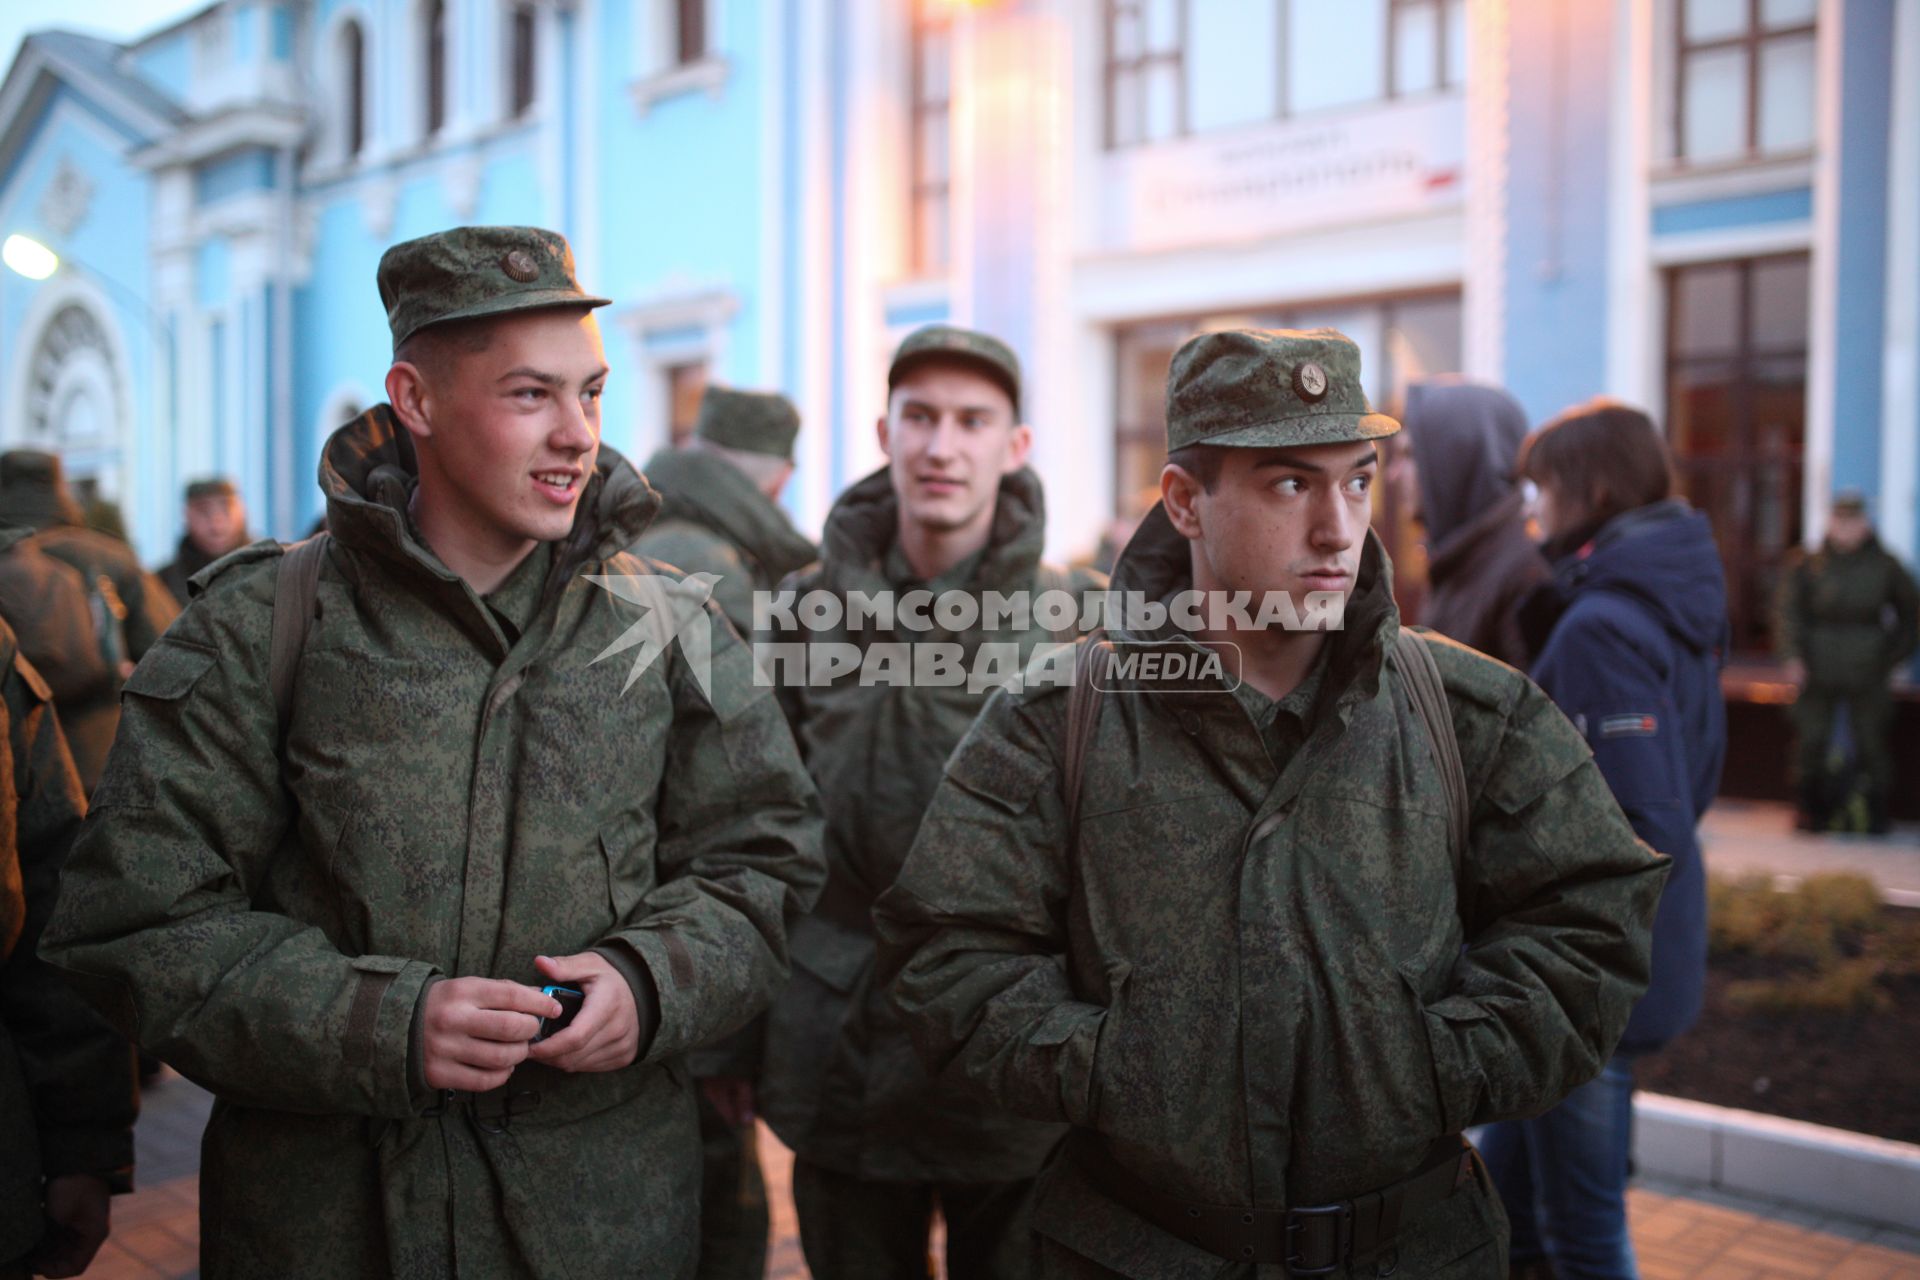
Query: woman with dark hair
1630	634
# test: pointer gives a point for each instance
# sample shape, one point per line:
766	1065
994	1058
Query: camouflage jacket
55	615
450	800
66	1078
1851	616
1258	981
713	520
841	1085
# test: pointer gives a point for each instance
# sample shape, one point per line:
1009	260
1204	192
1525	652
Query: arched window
521	49
76	398
353	87
434	31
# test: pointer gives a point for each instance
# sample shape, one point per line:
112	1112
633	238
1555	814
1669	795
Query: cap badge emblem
519	264
1310	382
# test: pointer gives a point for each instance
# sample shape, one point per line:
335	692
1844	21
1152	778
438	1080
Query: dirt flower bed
1812	1009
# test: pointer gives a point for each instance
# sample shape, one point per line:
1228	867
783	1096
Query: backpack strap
1083	719
1429	698
296	592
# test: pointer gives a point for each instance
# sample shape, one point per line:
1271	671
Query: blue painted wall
1861	306
168	63
109	245
242	173
680	194
1735	211
1557	198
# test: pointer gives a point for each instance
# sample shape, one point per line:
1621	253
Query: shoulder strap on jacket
295	593
1083	718
1429	698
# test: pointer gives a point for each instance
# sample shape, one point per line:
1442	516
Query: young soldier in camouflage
1253	980
880	1144
340	926
1849	617
719	509
67	1099
719	515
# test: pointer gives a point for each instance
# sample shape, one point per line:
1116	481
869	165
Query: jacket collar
1157	563
712	492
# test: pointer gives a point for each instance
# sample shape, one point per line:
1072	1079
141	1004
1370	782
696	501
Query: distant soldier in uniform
57	623
216	524
67	1099
1309	922
1849	616
129	607
373	792
879	1143
718	515
719	499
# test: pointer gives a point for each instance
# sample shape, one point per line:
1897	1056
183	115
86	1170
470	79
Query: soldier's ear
880	430
1180	491
411	398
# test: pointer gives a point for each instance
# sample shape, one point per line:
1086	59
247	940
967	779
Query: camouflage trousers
733	1200
852	1229
1870	719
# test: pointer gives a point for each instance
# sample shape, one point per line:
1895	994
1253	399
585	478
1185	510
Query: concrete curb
1808	1165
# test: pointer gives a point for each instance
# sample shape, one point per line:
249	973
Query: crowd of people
495	953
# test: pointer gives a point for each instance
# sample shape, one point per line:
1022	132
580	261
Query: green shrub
1830	929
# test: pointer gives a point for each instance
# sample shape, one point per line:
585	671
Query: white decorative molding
672	329
1680	247
665	313
1900	377
1634	319
462	179
273	125
1824	287
708	76
68	197
108	369
1489	92
379	204
1733	181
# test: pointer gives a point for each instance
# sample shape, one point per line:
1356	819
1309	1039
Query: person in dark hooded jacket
1459	443
1631	632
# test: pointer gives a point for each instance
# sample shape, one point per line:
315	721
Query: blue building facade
1707	207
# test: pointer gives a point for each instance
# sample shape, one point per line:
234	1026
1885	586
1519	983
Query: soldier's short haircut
1604	453
1201	461
436	349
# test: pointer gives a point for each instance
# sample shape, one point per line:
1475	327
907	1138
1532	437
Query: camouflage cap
752	421
211	487
988	354
1269	388
1850	502
31	467
469	272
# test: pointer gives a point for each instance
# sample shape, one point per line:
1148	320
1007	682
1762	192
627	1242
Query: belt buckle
1342	1214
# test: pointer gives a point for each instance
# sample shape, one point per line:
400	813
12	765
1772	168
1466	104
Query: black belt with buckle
493	1111
1312	1240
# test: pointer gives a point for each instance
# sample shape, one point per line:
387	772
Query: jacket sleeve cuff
380	1045
646	996
106	1154
419	1092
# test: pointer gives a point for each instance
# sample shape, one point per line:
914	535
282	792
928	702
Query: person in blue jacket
1631	632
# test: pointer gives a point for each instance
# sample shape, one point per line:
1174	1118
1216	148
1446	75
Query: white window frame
658	72
655	328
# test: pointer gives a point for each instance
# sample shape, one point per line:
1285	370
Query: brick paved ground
1680	1235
